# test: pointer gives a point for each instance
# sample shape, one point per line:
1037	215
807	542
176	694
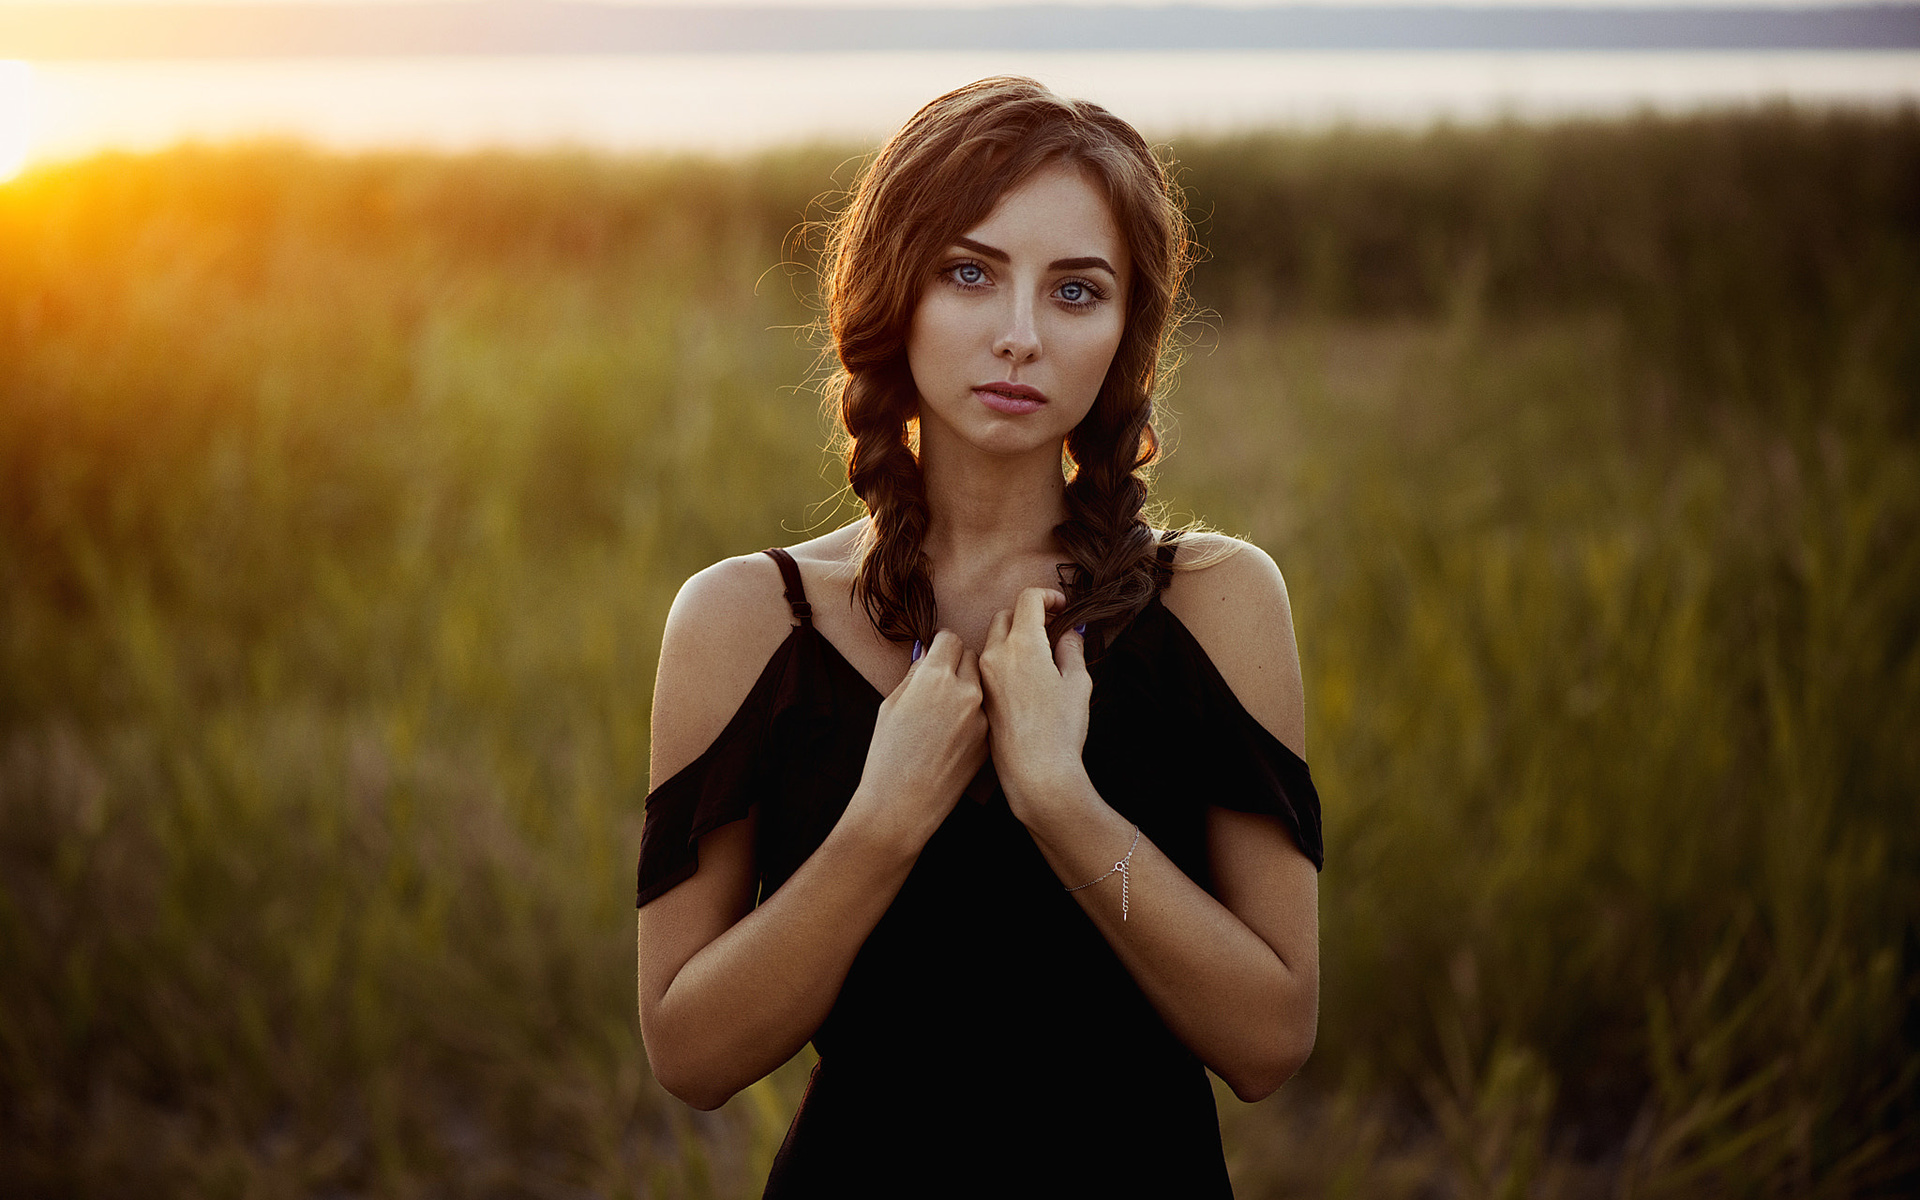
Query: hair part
940	175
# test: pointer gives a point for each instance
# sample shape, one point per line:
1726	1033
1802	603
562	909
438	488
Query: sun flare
16	116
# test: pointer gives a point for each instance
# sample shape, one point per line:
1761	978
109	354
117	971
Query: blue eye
1079	293
969	274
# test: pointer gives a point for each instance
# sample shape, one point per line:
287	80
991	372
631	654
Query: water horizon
730	104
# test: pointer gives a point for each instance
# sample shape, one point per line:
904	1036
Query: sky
1018	3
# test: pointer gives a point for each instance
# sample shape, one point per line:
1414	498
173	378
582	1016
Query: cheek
1096	352
930	335
920	354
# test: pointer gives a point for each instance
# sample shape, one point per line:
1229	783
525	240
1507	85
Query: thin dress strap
796	594
1163	570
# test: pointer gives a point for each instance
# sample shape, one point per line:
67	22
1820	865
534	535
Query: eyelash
1096	293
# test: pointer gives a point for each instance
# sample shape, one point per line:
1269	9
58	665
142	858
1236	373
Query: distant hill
83	30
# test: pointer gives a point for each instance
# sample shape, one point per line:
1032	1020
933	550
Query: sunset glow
16	116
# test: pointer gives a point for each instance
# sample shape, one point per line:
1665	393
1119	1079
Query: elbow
704	1099
694	1088
1256	1081
682	1076
1261	1073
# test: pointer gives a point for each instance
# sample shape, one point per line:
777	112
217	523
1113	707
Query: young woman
994	795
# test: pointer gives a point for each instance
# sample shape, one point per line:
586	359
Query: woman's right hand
929	741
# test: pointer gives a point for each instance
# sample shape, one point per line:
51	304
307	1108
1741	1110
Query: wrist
880	828
1042	797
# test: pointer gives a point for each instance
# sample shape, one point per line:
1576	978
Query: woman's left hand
1036	701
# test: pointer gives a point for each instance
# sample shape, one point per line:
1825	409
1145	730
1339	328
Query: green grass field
342	499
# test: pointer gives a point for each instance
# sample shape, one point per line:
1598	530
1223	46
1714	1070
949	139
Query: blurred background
371	375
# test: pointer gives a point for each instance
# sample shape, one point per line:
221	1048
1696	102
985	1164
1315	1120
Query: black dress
987	1041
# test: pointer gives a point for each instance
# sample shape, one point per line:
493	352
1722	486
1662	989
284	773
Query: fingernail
1081	629
917	651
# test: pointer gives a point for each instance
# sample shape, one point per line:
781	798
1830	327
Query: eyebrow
1058	264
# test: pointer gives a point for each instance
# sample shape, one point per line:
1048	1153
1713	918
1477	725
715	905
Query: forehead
1060	210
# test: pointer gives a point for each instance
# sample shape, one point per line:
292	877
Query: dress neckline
802	627
796	593
832	653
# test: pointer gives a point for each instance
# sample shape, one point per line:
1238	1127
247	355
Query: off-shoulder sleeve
1243	766
715	789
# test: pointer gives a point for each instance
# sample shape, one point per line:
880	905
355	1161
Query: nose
1019	338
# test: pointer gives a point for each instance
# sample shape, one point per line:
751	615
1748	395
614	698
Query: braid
1112	547
895	583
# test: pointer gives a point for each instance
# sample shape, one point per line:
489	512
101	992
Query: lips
1010	398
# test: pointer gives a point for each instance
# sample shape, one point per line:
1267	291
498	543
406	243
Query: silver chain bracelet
1119	868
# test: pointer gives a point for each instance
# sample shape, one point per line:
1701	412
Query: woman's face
1014	332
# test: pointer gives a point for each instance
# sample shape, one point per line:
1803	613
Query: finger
1051	599
969	669
999	627
1070	655
944	652
916	654
1030	611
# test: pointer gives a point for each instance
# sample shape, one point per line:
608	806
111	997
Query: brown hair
940	175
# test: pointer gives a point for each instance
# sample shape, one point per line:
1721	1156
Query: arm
1235	978
728	991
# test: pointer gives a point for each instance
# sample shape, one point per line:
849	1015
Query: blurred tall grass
341	500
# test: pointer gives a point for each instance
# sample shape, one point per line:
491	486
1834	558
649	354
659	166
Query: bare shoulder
831	555
1234	602
1218	571
726	622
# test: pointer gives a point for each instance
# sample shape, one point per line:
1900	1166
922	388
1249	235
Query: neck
988	508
